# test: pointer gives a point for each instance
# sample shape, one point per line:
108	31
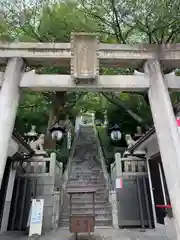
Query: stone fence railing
113	175
67	170
102	160
44	175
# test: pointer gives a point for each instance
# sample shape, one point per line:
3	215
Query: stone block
42	190
56	207
114	209
49	200
47	223
47	218
48	210
170	228
118	164
5	216
46	180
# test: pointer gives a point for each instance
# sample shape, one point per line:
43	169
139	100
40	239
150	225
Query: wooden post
167	133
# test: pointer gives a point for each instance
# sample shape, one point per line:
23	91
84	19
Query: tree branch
32	33
173	33
121	104
29	106
119	33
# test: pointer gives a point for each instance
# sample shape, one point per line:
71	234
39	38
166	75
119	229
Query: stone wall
48	174
45	190
151	145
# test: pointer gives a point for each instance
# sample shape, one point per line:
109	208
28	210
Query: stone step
87	208
78	176
98	222
99	193
85	182
85	169
85	198
88	201
98	217
98	208
101	190
78	185
101	215
96	187
89	176
83	177
79	163
79	205
87	173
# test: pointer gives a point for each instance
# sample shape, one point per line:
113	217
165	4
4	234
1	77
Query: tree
41	22
47	21
139	21
116	21
33	110
142	21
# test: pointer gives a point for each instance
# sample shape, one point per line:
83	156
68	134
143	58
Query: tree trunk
57	113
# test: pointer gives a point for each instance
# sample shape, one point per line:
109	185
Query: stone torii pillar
9	100
167	134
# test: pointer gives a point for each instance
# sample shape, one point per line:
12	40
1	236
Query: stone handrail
66	172
102	160
68	165
113	174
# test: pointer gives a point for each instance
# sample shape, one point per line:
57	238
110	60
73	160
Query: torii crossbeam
85	55
104	83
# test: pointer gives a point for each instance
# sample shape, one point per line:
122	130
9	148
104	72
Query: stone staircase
86	171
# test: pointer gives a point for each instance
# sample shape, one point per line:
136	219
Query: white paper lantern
116	135
57	135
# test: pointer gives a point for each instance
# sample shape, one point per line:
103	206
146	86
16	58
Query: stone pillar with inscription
84	61
9	100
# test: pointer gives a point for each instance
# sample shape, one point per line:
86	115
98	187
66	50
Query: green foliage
141	21
61	151
60	20
92	102
4	30
99	115
108	148
150	21
34	109
106	144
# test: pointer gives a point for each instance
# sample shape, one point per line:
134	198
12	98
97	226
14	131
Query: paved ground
100	234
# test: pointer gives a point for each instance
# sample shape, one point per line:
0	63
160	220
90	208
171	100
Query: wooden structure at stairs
81	222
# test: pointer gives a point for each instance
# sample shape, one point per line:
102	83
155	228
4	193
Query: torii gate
85	54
